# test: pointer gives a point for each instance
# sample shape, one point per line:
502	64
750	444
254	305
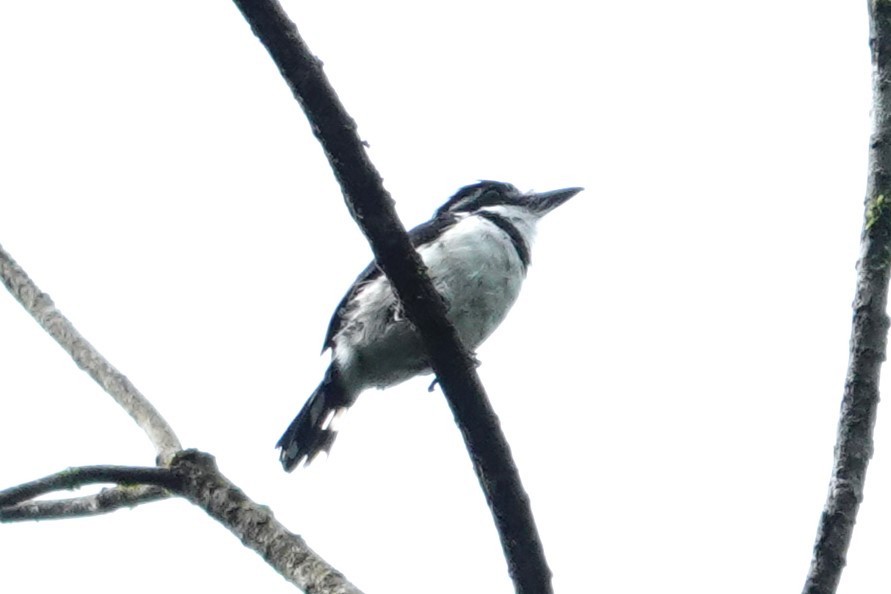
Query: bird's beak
545	202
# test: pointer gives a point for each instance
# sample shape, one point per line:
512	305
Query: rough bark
869	332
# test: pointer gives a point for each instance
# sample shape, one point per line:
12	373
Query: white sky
669	380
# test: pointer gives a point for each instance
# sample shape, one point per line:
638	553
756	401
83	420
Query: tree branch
256	526
80	476
106	501
372	208
854	445
191	475
194	476
137	485
42	309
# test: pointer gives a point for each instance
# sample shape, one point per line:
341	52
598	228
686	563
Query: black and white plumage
476	249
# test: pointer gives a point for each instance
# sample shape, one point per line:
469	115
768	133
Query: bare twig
42	309
854	444
372	208
106	501
80	476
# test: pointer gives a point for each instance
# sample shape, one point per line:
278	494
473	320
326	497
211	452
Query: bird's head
499	197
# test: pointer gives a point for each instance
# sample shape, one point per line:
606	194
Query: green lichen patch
875	209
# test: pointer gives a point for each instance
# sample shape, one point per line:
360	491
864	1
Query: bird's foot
435	382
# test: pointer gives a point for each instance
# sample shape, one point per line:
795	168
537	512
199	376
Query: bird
476	248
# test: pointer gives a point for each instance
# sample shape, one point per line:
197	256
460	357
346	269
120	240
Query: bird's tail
310	432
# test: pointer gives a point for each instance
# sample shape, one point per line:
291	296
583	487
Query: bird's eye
490	197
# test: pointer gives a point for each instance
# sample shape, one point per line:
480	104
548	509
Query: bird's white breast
476	268
473	265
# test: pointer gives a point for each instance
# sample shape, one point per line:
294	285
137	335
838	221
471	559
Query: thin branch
194	476
372	208
80	476
103	502
42	309
256	526
854	445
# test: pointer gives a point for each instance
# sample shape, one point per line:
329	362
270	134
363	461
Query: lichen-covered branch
372	208
256	526
869	332
42	309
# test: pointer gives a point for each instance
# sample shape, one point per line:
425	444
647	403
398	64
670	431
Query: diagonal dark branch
103	502
42	309
854	444
373	210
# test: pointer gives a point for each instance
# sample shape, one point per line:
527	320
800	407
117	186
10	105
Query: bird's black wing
370	273
423	233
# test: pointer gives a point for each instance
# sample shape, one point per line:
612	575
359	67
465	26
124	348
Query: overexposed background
669	380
